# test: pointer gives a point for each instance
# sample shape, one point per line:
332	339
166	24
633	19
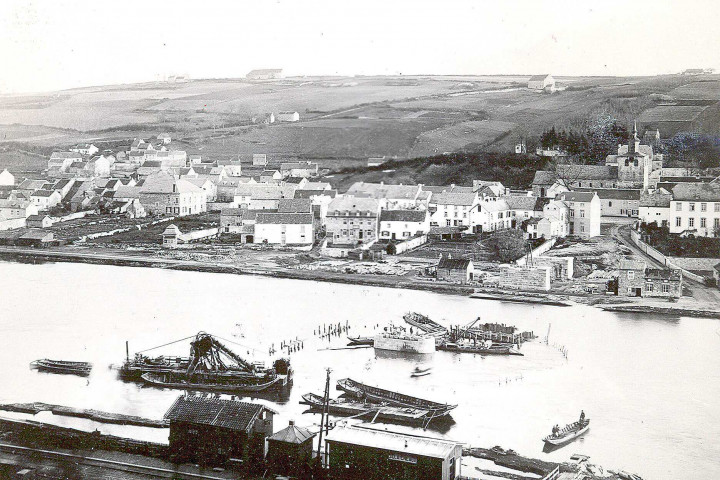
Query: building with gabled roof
6	178
264	74
285	229
585	212
391	196
212	431
403	224
351	220
541	82
290	450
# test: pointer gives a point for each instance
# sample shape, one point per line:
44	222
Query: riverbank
684	307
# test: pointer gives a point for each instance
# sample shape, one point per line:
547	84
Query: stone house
635	279
455	270
352	220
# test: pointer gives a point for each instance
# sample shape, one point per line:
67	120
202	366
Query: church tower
634	141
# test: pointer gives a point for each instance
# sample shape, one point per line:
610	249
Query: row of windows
692	205
703	222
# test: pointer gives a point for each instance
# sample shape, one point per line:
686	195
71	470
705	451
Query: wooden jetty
95	415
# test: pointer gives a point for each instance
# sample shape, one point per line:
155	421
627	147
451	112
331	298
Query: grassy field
343	119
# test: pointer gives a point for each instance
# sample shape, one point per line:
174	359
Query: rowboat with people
571	431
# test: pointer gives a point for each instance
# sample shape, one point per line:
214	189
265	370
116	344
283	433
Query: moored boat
383	412
213	383
380	395
570	432
62	366
479	348
425	324
360	340
421	371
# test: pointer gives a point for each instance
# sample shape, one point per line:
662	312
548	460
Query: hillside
346	120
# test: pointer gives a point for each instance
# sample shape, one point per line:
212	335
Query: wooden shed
215	431
456	270
290	450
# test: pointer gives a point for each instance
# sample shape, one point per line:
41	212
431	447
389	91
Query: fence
657	255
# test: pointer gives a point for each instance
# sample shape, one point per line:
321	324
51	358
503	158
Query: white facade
585	212
694	215
455	210
7	178
284	229
288	116
45	199
403	224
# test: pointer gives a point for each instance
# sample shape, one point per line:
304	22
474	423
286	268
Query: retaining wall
657	255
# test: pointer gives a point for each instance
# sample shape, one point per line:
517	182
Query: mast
323	414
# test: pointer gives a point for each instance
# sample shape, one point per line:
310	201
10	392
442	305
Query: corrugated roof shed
394	442
216	412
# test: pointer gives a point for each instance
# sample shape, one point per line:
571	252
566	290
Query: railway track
126	467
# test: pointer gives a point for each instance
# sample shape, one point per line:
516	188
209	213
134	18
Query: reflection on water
650	383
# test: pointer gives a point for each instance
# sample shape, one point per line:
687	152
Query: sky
57	44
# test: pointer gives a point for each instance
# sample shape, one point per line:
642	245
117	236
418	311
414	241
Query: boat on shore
360	340
397	340
569	433
214	383
479	348
82	369
369	393
384	412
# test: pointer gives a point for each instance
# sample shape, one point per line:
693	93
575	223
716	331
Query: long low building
292	229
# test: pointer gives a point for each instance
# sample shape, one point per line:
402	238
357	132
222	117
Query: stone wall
524	278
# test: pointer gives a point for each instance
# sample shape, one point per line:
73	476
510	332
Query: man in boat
555	430
582	416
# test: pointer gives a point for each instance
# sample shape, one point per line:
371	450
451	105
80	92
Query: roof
172	230
403	215
696	191
381	190
350	203
435	189
43	193
215	412
664	273
626	264
392	441
294	205
614	193
655	199
265	192
284	218
495	206
36	234
577	196
536	78
292	434
518	202
55	155
304	193
454	263
454	198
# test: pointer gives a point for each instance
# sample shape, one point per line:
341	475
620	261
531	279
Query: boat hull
82	369
230	386
380	395
569	437
501	350
412	416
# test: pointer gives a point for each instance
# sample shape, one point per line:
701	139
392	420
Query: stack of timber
211	366
495	332
374	411
95	415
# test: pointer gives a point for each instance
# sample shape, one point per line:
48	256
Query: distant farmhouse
264	74
698	71
541	82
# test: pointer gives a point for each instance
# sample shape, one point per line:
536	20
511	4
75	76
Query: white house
695	208
12	208
454	209
403	224
655	207
61	161
85	149
45	199
284	229
164	138
392	197
585	212
554	221
162	193
7	178
288	116
541	82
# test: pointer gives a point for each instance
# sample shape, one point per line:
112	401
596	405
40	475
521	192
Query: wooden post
127	351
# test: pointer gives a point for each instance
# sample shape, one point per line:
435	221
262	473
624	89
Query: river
649	383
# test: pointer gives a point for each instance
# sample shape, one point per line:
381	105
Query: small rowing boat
570	432
61	366
380	395
360	340
421	372
480	348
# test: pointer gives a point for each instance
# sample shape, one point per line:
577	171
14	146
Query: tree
391	248
507	245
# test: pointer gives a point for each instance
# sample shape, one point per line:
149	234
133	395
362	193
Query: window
678	207
572	213
691	222
716	223
703	223
717	207
582	213
447	222
631	275
582	228
678	221
703	207
666	288
649	287
610	203
692	207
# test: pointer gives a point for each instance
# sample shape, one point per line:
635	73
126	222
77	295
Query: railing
553	475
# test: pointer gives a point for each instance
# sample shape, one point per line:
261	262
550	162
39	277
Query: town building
617	202
6	178
485	188
86	149
39	221
36	238
585	213
59	162
635	279
655	207
695	209
289	451
299	169
392	197
496	215
367	453
352	220
264	74
164	138
259	160
12	208
403	224
44	200
212	431
291	229
288	117
171	236
260	196
455	270
163	194
455	209
523	207
541	82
